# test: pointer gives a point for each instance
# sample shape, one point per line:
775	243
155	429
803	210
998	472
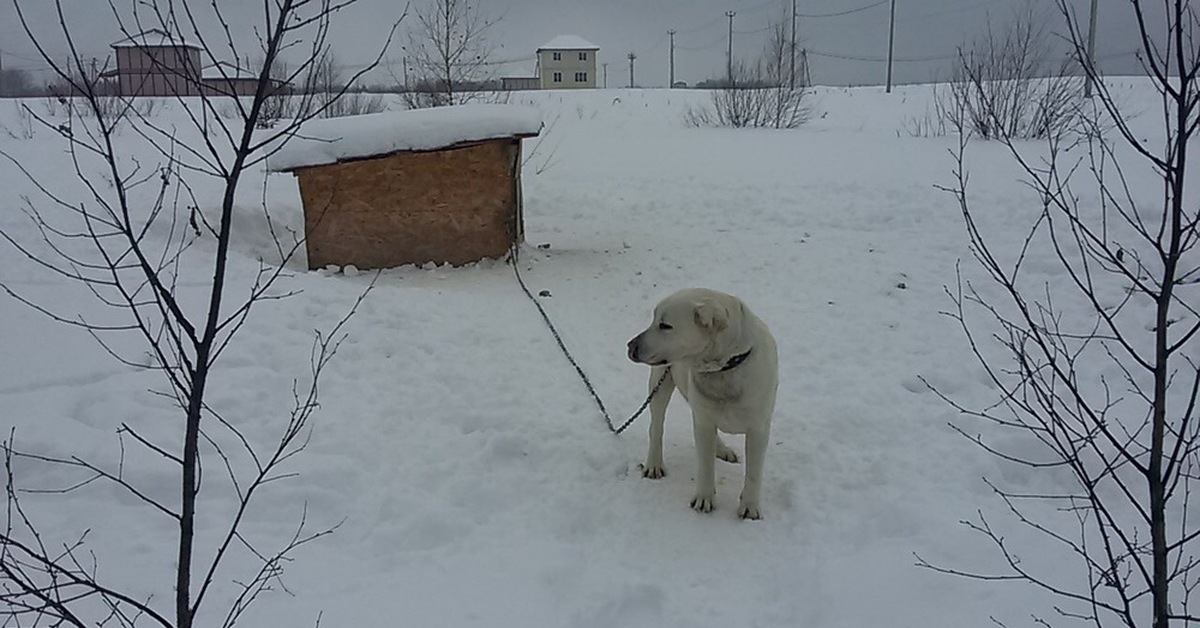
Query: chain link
615	429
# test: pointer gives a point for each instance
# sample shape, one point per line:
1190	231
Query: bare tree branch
128	240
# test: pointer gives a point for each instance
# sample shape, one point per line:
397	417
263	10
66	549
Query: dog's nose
633	349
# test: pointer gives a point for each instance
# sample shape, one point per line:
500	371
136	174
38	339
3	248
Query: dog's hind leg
658	413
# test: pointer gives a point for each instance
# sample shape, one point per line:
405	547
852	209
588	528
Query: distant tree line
17	83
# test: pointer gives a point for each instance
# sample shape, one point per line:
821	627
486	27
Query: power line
958	9
703	26
816	15
655	46
713	22
394	62
840	13
757	30
902	19
27	68
706	46
847	57
757	7
24	57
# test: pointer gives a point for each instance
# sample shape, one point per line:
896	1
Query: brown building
436	185
155	63
227	79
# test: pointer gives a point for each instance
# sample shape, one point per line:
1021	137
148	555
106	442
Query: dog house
409	187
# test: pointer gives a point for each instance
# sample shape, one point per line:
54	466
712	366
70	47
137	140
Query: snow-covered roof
154	38
224	70
321	142
568	42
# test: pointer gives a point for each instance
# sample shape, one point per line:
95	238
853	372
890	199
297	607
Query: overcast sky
846	40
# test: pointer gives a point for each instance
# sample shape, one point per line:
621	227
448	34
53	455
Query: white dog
723	360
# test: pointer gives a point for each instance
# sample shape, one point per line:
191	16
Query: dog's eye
665	327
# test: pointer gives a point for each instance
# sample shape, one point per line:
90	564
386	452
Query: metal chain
615	429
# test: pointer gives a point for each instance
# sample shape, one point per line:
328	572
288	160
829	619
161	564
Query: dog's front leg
654	468
705	433
756	451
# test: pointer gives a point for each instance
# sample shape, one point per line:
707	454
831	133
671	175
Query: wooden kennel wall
455	204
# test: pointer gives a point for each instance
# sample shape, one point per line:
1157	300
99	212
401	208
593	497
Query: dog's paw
653	471
749	510
704	503
726	453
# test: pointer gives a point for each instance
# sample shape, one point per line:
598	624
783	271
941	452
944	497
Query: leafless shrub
323	89
752	101
334	97
356	103
85	92
280	103
759	94
939	119
1008	84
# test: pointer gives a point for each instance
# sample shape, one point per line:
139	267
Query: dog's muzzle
635	352
633	349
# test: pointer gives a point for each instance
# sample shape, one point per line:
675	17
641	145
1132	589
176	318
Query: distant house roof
568	42
335	140
222	70
154	38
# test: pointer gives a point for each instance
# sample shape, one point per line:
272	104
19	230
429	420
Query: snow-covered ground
475	481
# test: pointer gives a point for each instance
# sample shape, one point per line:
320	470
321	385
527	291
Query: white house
567	62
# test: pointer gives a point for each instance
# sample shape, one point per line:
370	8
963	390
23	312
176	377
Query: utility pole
671	82
891	45
605	65
631	58
792	73
1090	68
729	55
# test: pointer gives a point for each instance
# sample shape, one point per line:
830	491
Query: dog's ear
712	316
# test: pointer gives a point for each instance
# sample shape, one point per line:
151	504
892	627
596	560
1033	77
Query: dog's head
690	325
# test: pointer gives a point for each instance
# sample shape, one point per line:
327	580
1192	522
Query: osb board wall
455	205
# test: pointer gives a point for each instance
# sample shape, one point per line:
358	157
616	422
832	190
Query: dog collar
735	361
